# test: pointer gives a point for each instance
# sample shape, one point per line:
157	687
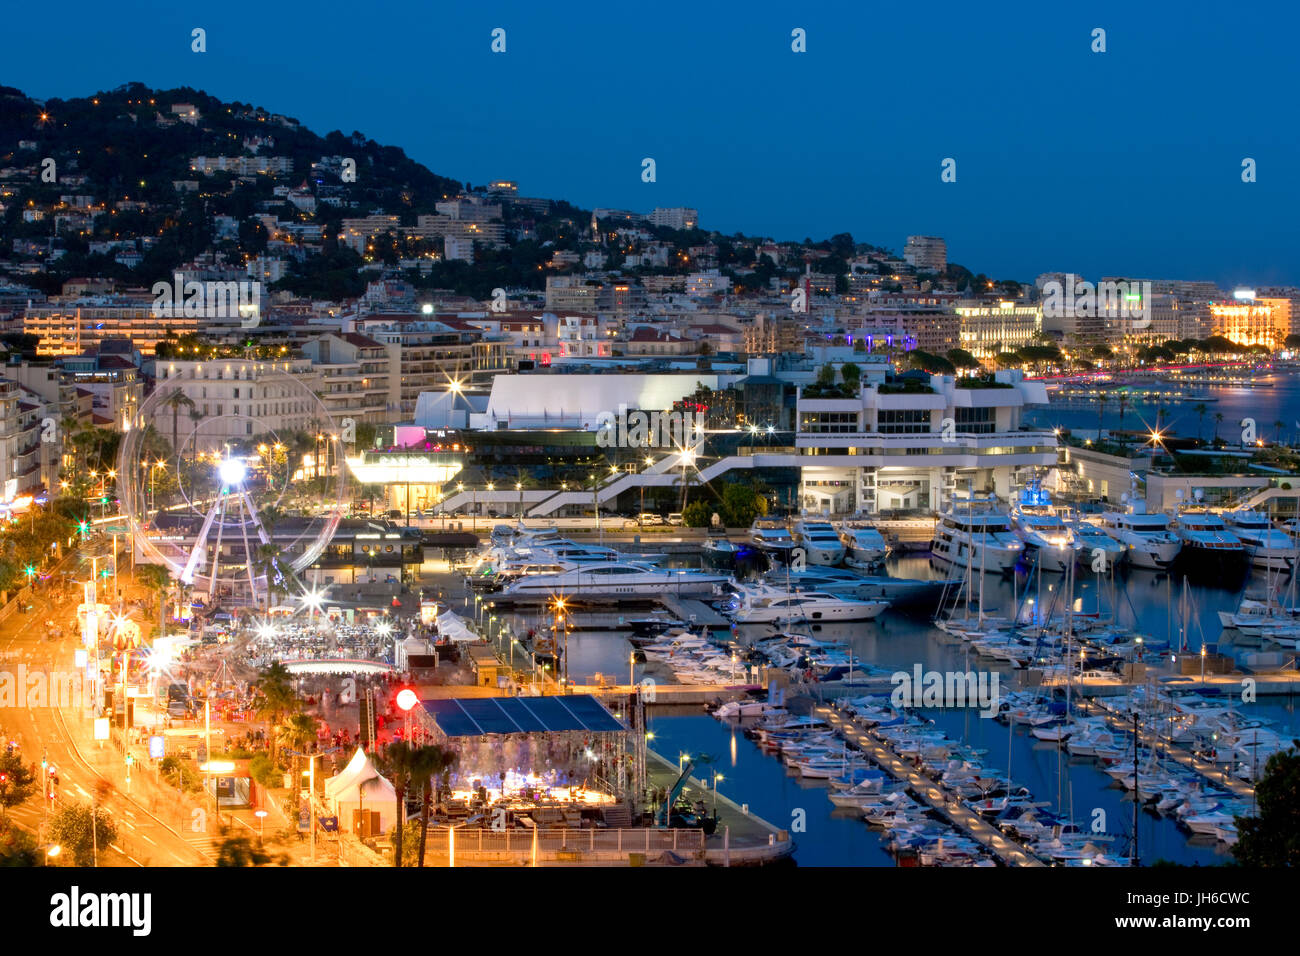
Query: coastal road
149	816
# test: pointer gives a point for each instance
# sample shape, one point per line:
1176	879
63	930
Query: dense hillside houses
405	299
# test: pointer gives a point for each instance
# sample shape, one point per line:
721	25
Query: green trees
738	506
298	732
1007	360
177	400
697	514
1272	837
17	782
275	698
960	358
934	364
72	830
17	847
238	850
401	763
157	579
430	766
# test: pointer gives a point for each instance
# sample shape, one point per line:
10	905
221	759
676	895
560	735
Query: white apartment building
676	217
353	376
893	449
707	283
242	165
28	463
926	253
991	327
235	400
81	327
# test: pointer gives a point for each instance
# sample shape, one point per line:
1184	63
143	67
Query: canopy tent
470	717
453	627
361	787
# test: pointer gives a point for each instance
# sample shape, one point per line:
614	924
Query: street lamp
54	850
406	700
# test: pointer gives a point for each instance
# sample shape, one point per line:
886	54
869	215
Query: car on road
675	518
651	518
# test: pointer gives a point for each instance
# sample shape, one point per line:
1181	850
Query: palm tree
1101	411
1279	425
299	733
522	480
429	765
266	561
175	400
157	579
1123	404
401	759
1200	408
276	697
1218	420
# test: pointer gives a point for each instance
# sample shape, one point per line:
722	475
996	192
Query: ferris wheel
235	505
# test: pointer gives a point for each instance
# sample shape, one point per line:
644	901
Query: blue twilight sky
1127	162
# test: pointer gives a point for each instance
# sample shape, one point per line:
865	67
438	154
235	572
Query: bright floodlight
406	698
232	471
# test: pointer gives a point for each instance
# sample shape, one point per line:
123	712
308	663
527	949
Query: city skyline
1022	203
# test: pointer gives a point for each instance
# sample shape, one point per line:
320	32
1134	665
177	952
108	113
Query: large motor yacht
975	535
1148	538
1209	548
1267	546
819	541
771	536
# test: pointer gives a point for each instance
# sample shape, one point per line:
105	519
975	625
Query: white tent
453	627
361	787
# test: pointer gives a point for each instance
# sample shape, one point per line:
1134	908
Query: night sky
1126	162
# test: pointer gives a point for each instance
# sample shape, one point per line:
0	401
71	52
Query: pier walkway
694	612
1211	772
932	792
742	838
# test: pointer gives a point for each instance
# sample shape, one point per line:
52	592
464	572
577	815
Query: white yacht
1148	539
1041	529
819	541
771	536
864	546
615	580
1090	541
771	605
1267	546
982	539
1209	547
